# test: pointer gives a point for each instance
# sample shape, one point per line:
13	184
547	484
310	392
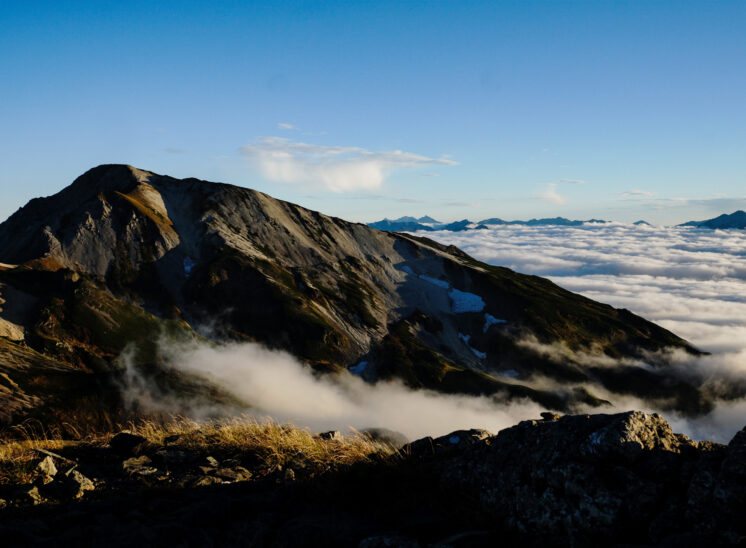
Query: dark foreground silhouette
584	480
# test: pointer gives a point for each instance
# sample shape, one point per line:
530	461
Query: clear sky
614	110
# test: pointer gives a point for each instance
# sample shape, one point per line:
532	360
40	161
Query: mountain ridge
411	224
123	254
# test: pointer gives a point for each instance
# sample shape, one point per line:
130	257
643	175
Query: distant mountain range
412	224
737	219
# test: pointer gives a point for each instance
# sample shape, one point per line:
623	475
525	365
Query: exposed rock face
601	479
123	255
721	493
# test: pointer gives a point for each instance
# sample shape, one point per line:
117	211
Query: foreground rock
598	480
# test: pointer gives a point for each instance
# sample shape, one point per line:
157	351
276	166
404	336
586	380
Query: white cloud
716	204
551	194
572	181
689	281
335	168
457	203
277	385
283	125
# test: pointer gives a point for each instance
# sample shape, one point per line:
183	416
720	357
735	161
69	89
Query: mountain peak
737	219
111	177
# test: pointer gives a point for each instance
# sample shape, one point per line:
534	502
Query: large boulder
126	443
593	479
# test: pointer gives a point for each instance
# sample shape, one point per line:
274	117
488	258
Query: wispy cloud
283	125
572	181
644	193
335	168
716	204
368	197
461	204
551	194
174	150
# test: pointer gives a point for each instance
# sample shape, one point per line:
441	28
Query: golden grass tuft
268	440
268	443
18	458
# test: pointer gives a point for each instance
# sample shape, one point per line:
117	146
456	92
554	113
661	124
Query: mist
274	384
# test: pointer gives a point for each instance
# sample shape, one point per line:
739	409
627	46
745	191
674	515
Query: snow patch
435	281
359	368
408	270
465	302
461	301
189	264
489	321
478	354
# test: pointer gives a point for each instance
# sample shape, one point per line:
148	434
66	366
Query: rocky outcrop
598	479
584	481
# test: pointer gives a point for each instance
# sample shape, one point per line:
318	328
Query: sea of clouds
688	280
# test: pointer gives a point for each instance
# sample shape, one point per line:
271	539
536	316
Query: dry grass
18	458
273	443
267	443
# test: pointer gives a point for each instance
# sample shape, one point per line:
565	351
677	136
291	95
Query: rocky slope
125	256
599	480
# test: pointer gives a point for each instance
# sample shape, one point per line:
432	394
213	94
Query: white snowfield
461	301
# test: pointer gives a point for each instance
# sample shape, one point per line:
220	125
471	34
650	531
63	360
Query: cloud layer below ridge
690	281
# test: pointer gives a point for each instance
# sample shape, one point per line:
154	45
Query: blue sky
615	110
